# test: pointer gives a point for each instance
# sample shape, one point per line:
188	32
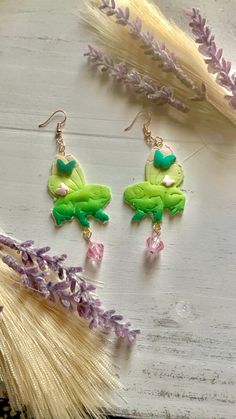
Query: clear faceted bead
155	244
95	251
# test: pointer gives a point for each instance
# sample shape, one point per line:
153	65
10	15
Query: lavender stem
215	61
142	84
168	62
36	268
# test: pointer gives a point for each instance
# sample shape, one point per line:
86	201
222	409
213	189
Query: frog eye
138	192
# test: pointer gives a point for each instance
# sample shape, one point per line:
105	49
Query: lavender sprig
215	61
69	287
30	277
31	255
141	84
168	61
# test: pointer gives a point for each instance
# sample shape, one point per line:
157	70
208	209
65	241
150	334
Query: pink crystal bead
155	244
95	251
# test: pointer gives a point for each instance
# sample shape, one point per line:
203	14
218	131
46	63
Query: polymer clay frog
160	191
73	197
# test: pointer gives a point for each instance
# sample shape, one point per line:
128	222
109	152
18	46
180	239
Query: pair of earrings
74	198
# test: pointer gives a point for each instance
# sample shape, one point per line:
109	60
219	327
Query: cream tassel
51	363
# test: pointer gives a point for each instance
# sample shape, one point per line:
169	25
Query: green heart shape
164	162
66	168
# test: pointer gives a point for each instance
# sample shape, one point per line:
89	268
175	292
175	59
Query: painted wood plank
183	365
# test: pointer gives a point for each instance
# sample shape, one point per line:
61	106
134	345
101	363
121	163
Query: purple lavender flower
159	52
70	289
141	84
215	61
31	277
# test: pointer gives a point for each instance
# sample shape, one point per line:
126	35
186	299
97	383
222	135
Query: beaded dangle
73	197
160	190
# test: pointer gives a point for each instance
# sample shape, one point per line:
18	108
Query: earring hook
59	140
148	116
154	141
59	124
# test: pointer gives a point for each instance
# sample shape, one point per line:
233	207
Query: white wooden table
183	365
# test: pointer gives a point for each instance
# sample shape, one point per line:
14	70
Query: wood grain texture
184	362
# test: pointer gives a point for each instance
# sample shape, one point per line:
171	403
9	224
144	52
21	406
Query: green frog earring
73	197
160	190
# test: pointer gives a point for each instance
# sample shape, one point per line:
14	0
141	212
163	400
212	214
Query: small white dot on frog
183	309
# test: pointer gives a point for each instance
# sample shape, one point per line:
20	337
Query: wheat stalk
116	40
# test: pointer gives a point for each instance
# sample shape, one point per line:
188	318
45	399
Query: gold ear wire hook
60	125
137	116
154	141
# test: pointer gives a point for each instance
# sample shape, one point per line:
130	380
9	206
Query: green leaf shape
75	181
156	175
77	175
163	162
54	183
66	168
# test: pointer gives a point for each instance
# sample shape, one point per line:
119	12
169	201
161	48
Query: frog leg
138	216
82	217
101	216
63	212
157	213
177	204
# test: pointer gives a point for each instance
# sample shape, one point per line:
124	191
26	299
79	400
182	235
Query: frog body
160	191
148	199
73	197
